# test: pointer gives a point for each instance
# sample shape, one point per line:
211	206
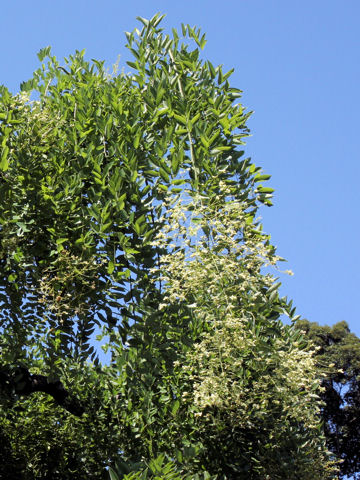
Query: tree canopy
128	213
85	170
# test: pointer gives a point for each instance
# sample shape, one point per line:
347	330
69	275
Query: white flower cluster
246	365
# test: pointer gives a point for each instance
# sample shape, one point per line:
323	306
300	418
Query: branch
20	381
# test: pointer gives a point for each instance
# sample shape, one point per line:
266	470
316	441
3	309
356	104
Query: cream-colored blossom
215	265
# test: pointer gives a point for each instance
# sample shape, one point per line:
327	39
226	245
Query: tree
338	361
95	170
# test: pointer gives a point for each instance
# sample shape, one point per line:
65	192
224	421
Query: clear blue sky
298	65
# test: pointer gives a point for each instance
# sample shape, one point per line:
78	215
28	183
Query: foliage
84	171
44	441
128	209
157	468
338	360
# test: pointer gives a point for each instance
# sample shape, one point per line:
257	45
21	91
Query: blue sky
298	65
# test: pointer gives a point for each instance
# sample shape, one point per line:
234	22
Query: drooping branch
21	382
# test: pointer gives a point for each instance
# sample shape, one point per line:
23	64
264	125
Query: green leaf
113	474
134	65
59	241
164	175
265	189
211	69
162	187
259	178
175	407
179	181
181	119
274	287
144	21
195	119
4	163
152	173
176	161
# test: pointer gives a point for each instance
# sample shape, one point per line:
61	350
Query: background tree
338	360
95	169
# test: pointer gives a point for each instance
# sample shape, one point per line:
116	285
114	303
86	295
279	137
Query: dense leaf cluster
84	171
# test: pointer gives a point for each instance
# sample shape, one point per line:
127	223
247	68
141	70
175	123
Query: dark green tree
338	360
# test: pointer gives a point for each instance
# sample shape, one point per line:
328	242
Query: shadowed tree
338	359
